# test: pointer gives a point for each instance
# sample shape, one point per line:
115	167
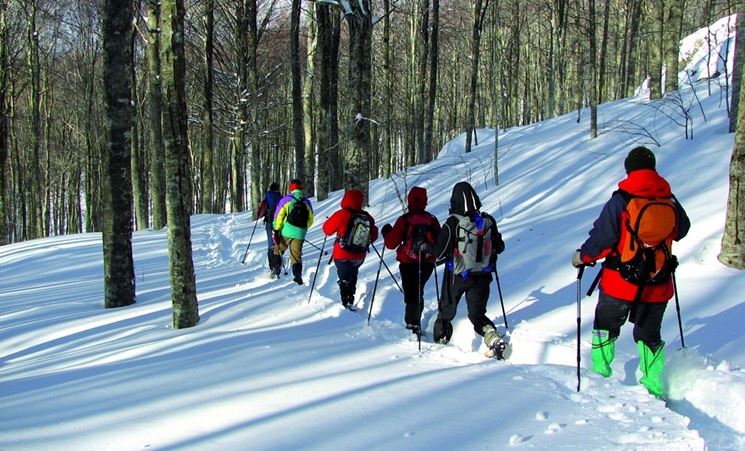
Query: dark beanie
274	186
639	158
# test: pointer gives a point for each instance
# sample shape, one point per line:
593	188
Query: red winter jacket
396	238
606	232
337	224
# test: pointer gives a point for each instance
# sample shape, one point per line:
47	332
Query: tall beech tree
119	279
177	164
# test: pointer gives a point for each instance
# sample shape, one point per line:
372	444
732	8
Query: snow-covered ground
269	367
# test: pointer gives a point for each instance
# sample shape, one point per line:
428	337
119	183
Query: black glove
277	235
386	228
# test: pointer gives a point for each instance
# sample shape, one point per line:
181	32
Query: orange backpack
645	246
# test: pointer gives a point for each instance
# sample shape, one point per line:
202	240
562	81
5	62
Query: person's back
622	295
464	202
413	236
288	233
348	259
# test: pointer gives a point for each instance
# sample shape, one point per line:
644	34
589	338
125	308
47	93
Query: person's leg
409	274
610	315
477	296
346	271
296	255
452	290
647	325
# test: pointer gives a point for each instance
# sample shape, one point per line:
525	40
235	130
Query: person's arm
684	223
444	244
605	231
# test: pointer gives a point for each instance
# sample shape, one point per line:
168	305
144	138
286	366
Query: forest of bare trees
330	91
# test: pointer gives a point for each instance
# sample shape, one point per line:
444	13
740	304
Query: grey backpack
474	244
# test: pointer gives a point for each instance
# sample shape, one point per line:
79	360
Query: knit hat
639	158
295	184
274	186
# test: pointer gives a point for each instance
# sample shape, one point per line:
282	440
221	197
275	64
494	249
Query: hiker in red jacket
413	236
619	299
354	229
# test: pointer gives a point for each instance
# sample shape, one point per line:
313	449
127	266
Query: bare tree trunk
475	52
429	153
309	186
119	280
245	97
737	69
329	171
139	190
209	203
357	161
157	168
178	180
733	239
4	123
656	45
592	38
422	46
387	91
34	181
297	96
253	98
673	30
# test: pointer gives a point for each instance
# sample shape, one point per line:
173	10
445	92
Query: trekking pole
677	307
386	267
580	270
318	248
437	284
375	286
249	241
420	302
318	265
501	300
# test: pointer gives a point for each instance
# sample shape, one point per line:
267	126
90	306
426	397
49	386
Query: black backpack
356	237
417	230
299	213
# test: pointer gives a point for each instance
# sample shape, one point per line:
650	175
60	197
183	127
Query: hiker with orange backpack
634	235
413	236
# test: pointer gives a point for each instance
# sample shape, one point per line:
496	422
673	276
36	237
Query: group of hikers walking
633	236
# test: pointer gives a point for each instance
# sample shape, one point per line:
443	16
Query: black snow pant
611	313
476	289
413	285
347	271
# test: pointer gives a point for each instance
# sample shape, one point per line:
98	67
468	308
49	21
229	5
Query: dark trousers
611	313
347	271
476	289
413	283
270	245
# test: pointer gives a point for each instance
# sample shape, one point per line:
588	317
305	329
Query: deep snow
269	368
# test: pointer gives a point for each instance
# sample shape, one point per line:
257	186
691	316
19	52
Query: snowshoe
496	344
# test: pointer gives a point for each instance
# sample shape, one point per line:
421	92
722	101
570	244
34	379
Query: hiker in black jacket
470	259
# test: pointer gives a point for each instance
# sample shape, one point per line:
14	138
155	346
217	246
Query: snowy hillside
270	368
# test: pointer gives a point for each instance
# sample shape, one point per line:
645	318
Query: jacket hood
464	199
296	193
417	198
645	183
352	200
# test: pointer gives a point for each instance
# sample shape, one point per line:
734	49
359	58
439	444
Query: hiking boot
494	341
297	272
651	364
603	350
